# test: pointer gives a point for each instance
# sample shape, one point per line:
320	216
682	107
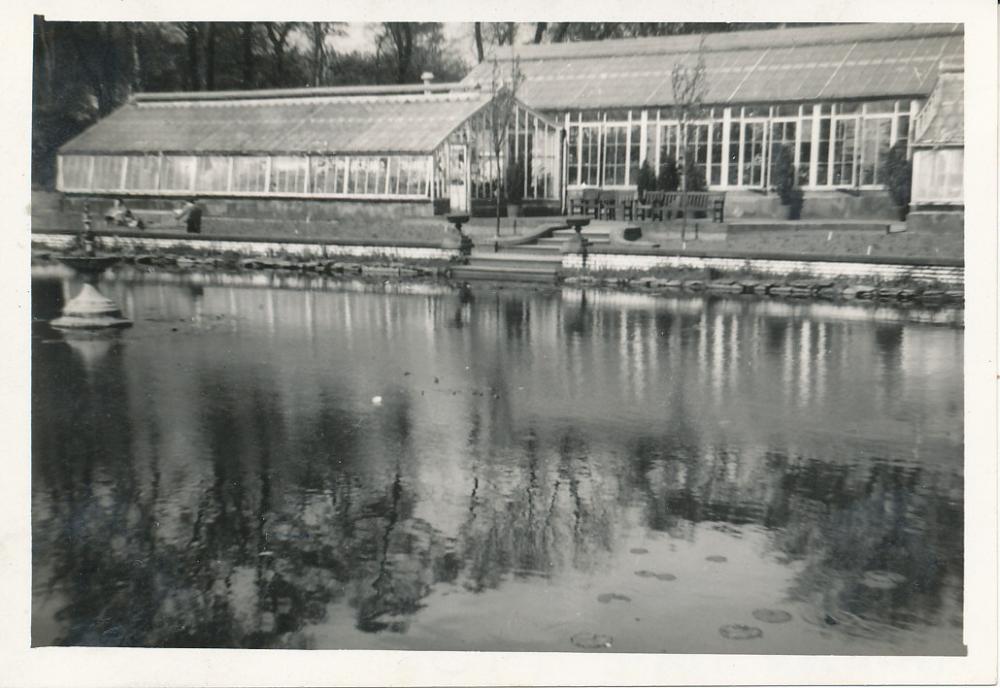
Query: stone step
505	274
537	249
559	241
591	234
519	260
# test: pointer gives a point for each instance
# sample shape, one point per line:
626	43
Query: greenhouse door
458	188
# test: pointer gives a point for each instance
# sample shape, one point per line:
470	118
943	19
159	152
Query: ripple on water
740	632
592	641
772	615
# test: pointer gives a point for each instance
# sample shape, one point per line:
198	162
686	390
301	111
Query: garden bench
607	205
586	203
630	204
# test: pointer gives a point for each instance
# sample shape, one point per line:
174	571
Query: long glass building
589	114
838	96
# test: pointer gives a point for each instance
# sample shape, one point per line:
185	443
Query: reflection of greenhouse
414	150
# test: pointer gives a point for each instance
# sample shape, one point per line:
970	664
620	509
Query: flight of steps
538	261
514	266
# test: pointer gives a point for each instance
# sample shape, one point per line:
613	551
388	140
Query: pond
306	462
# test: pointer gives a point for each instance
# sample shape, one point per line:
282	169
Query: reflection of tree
836	520
529	521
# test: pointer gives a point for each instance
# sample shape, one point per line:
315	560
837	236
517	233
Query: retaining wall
305	249
827	269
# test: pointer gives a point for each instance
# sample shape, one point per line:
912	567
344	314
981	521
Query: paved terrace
810	238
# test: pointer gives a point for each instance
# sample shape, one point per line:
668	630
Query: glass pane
212	173
75	172
142	172
805	151
107	172
288	174
177	173
843	152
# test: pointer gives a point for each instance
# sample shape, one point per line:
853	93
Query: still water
310	463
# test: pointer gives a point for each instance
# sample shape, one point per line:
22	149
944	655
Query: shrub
695	176
783	174
899	176
647	179
514	181
669	178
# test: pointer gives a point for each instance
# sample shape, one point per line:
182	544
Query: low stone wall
937	221
303	249
816	205
826	269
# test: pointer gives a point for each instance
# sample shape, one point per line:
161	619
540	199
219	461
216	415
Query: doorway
458	187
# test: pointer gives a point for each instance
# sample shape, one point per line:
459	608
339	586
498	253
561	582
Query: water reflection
220	477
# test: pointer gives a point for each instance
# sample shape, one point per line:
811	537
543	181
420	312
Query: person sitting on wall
190	215
120	215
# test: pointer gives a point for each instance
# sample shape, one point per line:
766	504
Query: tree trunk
246	43
478	31
136	85
319	53
193	76
210	56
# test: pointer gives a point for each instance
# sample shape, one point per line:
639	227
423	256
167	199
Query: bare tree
210	36
689	88
277	36
246	49
321	53
477	30
500	115
400	36
192	38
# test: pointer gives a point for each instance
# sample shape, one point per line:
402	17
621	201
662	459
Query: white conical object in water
377	400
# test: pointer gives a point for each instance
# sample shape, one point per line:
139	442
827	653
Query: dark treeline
84	70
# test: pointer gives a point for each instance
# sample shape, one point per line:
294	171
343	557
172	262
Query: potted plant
514	187
899	177
783	176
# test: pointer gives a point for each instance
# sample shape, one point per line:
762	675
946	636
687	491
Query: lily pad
666	577
592	641
717	558
740	632
772	615
610	596
882	580
645	574
639	550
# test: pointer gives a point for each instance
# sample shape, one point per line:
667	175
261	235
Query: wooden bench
667	205
710	203
607	205
587	203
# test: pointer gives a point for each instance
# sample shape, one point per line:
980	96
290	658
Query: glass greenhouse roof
794	64
414	123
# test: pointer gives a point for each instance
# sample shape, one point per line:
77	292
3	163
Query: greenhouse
425	146
837	96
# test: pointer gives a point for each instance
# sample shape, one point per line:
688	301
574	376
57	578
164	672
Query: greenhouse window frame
89	161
